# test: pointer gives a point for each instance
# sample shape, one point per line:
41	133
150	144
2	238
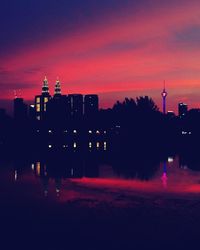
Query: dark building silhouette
57	107
170	114
182	109
31	112
20	109
76	105
2	113
91	105
41	101
74	123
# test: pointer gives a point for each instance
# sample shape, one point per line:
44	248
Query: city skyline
126	50
55	88
99	124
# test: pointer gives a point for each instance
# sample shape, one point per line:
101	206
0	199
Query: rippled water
77	178
86	203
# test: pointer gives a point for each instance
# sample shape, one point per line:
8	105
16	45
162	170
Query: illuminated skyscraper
45	87
57	106
164	95
41	101
57	91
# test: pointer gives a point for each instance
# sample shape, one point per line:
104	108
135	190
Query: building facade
41	101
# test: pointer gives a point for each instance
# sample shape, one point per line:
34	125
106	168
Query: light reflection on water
86	180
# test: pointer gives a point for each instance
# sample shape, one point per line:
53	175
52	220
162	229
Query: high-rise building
57	91
91	105
164	95
20	110
42	100
57	106
182	109
76	105
31	111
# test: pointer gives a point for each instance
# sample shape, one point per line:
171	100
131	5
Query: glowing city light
15	175
32	166
38	168
170	159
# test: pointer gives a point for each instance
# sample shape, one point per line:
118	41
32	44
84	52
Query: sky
115	48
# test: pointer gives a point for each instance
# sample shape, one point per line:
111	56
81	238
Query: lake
92	204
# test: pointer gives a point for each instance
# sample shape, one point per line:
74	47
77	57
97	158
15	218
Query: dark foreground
98	218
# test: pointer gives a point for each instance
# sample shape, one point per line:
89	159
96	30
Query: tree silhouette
146	104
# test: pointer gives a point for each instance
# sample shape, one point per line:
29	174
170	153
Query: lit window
38	117
104	131
90	131
65	131
90	145
46	100
32	166
38	100
97	132
98	144
38	131
50	131
184	132
64	146
75	131
38	168
50	146
75	145
38	107
105	145
45	107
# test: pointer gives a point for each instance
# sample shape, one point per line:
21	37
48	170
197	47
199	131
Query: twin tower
45	87
60	106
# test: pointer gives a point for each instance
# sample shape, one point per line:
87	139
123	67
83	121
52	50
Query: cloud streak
130	49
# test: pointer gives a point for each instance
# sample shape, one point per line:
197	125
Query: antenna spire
164	95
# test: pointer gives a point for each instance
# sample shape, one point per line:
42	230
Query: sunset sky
115	48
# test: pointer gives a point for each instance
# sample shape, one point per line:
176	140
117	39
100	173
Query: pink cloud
131	53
